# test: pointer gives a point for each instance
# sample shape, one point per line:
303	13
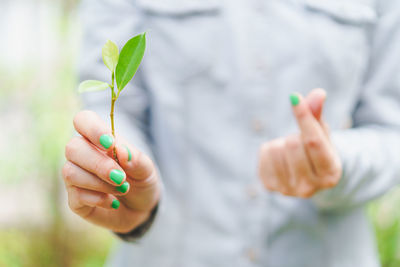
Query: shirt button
251	254
252	191
257	125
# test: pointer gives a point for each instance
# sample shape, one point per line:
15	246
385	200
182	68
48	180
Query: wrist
142	225
142	217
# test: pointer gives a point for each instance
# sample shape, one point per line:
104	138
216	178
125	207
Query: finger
142	176
120	220
142	197
92	127
136	164
76	176
265	169
104	210
281	167
316	99
80	199
308	124
82	153
314	139
276	157
300	168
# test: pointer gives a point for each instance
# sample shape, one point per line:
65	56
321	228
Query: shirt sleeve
116	20
370	151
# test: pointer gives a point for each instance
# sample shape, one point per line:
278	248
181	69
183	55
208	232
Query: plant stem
112	116
113	99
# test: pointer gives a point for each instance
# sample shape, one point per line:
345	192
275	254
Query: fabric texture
214	85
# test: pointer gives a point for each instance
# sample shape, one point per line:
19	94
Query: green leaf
129	60
92	86
110	53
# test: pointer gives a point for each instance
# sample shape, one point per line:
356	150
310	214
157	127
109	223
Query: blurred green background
38	63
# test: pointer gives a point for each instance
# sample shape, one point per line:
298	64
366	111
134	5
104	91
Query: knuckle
73	198
292	143
69	150
270	182
268	185
313	142
330	181
275	146
68	172
70	204
71	147
286	192
306	190
101	200
282	188
302	113
307	193
102	166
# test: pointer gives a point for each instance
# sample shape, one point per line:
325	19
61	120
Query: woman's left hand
302	164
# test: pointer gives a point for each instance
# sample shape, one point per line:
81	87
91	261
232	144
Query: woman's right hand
119	197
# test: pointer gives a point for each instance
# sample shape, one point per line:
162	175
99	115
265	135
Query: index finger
314	139
92	127
308	124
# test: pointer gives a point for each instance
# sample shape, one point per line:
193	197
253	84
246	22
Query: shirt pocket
343	11
185	40
341	50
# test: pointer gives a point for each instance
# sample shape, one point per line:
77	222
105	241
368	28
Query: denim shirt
214	85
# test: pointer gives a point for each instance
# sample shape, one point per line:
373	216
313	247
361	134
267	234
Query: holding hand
302	164
116	196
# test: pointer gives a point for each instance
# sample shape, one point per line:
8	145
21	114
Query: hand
302	164
117	196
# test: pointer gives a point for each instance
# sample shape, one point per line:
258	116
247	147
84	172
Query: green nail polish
115	204
294	99
129	153
123	188
117	176
106	141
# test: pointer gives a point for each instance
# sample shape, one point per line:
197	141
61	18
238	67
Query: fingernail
117	176
123	188
106	141
115	204
129	153
294	99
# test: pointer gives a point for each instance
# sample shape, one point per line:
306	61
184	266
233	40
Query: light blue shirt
214	85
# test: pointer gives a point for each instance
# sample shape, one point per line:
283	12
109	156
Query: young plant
123	67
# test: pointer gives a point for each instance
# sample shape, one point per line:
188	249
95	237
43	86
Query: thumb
316	99
136	164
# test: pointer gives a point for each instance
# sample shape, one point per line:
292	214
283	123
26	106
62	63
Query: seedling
123	67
